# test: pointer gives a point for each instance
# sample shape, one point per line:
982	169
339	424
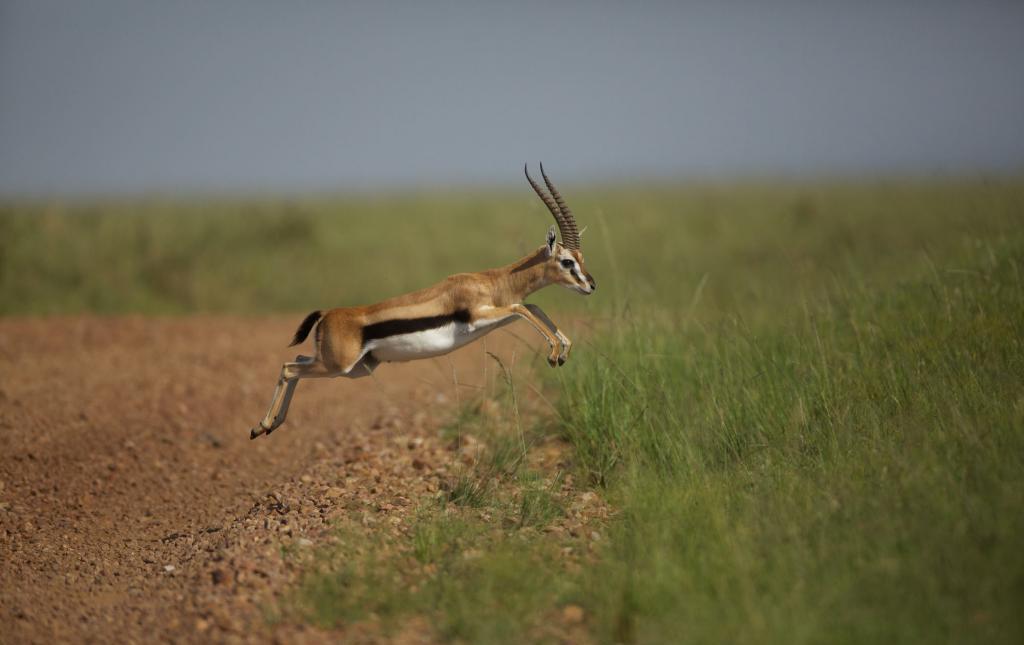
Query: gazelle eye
567	264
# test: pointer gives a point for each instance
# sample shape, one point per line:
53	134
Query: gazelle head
564	261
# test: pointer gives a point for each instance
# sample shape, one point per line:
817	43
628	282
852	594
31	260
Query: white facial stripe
575	270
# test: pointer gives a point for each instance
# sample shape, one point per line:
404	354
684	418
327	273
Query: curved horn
570	234
544	197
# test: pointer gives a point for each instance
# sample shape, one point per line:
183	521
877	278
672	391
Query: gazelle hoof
257	430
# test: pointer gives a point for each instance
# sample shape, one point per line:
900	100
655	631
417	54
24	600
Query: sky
217	95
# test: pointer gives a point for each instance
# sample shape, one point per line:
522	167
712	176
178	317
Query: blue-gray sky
217	95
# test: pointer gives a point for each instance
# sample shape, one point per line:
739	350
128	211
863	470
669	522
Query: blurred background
234	156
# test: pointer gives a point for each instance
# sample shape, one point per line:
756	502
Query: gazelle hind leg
286	400
302	367
339	352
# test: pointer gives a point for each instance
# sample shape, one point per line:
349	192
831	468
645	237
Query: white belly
431	342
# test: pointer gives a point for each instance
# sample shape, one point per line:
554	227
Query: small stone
572	614
334	492
212	440
168	568
202	625
304	542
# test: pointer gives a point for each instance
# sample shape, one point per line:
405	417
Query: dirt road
133	506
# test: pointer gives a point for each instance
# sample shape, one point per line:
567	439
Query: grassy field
753	249
802	405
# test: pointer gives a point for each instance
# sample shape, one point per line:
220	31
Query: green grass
539	502
475	583
853	473
803	402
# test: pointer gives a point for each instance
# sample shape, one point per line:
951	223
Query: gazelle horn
562	214
570	234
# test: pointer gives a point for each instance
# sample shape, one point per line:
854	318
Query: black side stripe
386	328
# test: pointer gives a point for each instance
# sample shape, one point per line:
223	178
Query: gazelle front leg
563	354
540	322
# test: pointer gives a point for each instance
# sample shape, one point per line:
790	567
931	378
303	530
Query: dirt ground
134	507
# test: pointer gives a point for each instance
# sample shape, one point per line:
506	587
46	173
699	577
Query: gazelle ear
551	241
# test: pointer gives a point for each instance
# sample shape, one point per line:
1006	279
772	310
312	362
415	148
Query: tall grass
847	470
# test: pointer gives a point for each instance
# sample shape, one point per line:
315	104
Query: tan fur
495	296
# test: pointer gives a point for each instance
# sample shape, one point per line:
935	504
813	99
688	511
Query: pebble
168	568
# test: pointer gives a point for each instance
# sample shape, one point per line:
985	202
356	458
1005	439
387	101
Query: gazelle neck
523	277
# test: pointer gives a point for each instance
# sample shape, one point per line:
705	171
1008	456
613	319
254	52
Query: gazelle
353	341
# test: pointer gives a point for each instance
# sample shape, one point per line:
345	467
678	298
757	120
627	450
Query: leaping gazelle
353	341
